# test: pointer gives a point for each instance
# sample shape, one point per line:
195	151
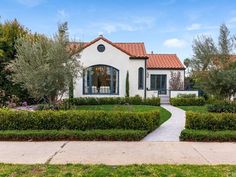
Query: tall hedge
77	120
210	121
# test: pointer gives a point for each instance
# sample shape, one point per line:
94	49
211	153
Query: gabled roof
164	61
134	49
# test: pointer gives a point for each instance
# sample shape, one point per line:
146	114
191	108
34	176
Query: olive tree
45	67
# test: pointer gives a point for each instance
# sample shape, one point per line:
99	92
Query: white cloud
231	23
144	21
31	3
114	27
198	26
62	14
132	24
194	26
175	43
232	20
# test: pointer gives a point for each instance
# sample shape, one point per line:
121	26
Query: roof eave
166	68
138	57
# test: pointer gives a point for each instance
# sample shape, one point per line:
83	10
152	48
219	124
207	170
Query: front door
158	82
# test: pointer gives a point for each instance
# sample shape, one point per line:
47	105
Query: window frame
156	83
111	80
103	48
140	78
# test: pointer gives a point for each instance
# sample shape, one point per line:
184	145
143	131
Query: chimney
151	52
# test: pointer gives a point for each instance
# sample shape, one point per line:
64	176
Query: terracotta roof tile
164	61
134	50
137	50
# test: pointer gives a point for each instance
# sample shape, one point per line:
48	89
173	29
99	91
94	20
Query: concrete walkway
117	153
171	129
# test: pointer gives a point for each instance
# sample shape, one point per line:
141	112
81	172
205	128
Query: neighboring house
106	65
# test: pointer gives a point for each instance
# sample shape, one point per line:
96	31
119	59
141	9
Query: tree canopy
46	70
10	31
212	65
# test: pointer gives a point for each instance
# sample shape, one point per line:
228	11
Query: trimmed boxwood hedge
77	120
72	135
184	95
210	121
136	100
222	106
187	101
208	135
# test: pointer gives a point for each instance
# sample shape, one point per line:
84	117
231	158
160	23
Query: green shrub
187	101
222	106
211	100
154	101
208	135
184	95
73	135
210	121
78	120
136	100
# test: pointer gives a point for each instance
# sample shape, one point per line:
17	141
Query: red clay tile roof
134	50
164	61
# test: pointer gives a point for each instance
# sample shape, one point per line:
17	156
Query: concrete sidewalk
171	129
117	153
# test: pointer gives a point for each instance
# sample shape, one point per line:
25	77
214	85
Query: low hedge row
184	95
187	101
210	121
222	106
77	120
208	135
136	100
73	135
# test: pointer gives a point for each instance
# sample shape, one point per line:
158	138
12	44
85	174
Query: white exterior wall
115	58
175	93
150	93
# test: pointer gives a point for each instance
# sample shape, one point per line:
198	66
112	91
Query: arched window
140	78
101	79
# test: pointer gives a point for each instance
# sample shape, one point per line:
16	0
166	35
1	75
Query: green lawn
122	171
165	115
132	108
194	108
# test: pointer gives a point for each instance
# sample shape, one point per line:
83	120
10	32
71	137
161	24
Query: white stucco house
106	65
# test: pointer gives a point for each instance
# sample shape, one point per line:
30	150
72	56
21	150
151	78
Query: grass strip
115	171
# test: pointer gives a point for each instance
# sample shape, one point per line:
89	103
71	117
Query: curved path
171	129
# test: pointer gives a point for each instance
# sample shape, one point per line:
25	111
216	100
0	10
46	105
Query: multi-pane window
158	82
101	79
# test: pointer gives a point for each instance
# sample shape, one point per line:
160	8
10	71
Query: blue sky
166	26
